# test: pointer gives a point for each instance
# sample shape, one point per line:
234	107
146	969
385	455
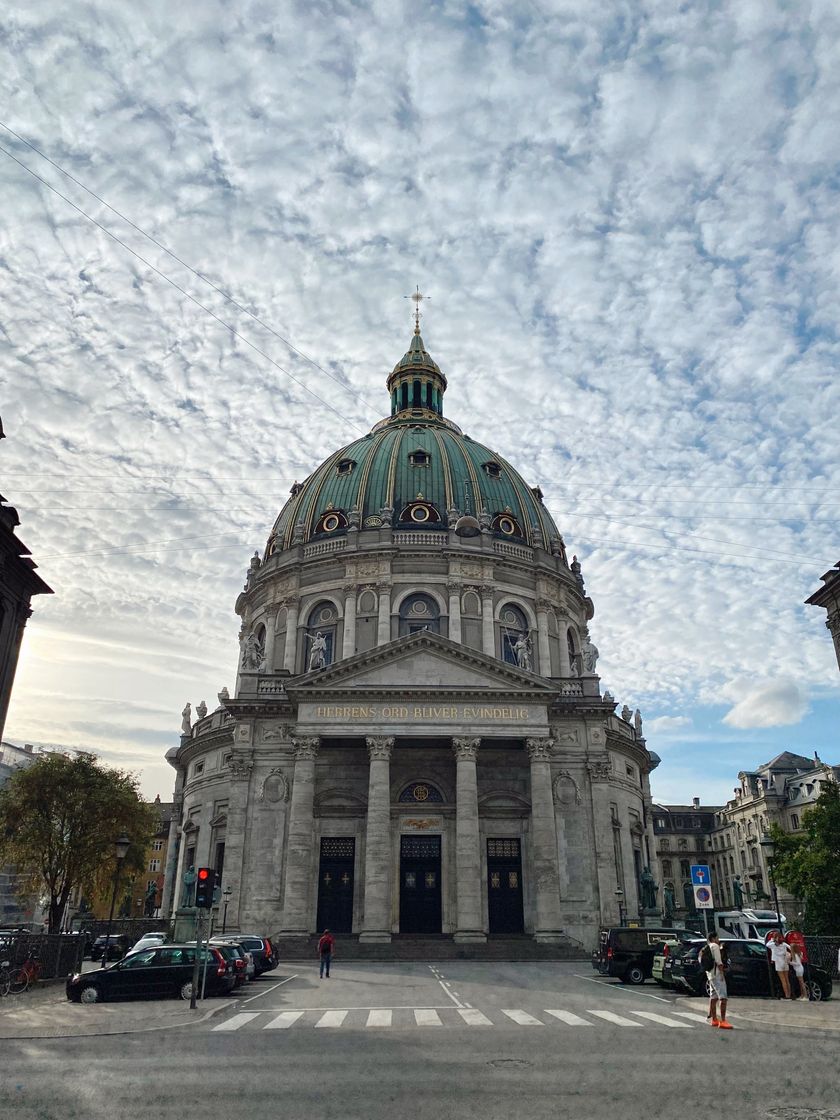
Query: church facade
417	742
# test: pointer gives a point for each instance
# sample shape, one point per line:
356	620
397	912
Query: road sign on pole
701	875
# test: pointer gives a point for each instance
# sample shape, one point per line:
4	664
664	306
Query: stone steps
410	948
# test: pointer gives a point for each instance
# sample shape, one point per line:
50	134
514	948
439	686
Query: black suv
263	952
118	946
747	971
628	952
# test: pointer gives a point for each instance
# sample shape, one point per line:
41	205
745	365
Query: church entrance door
504	887
335	884
420	905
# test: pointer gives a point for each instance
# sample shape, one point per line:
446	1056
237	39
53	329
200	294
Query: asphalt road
450	1040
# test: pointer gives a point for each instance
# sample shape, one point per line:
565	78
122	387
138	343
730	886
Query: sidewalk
787	1013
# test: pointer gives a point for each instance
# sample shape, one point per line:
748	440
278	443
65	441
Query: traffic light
205	884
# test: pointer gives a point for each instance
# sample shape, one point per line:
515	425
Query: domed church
417	743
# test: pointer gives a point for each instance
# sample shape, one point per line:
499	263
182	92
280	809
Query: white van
749	923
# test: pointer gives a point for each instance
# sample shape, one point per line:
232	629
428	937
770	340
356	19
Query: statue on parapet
589	655
188	897
201	710
318	652
524	653
253	654
186	719
670	900
738	892
648	888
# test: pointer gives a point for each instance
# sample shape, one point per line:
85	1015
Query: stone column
488	633
542	638
296	915
454	590
544	843
349	644
565	664
290	653
383	635
376	922
269	621
239	768
469	924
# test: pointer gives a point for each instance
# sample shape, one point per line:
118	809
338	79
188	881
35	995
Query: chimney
695	801
28	748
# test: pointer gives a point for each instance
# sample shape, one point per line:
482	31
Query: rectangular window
157	845
154	865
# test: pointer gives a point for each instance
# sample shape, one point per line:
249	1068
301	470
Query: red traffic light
203	873
205	887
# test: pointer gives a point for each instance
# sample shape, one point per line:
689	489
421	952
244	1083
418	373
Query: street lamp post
121	846
768	845
226	893
622	911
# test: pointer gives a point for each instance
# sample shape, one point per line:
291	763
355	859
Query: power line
182	290
184	264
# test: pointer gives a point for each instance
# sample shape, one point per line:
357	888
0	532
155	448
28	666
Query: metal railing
59	953
822	951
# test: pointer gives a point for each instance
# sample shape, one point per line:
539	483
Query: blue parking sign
700	874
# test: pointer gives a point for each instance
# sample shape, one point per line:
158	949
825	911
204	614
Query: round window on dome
420	513
506	525
331	523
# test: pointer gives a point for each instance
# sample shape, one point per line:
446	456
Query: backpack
707	960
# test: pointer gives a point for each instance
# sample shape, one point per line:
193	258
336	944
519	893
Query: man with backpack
713	963
325	951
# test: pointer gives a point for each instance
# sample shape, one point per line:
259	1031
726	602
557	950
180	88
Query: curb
119	1031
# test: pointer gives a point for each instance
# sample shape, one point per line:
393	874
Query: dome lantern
416	381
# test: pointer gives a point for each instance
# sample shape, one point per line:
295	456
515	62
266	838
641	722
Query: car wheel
815	990
90	994
186	990
634	975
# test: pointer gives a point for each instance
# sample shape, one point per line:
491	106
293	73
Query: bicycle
5	978
29	973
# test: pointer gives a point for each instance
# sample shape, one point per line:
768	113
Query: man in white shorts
713	955
779	951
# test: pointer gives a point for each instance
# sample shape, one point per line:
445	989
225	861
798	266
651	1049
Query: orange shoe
714	1023
724	1026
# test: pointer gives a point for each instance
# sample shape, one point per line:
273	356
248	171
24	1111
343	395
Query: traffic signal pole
199	938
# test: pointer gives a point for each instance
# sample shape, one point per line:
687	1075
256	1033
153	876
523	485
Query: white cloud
774	704
666	725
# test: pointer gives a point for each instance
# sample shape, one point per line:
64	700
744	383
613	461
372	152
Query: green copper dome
415	471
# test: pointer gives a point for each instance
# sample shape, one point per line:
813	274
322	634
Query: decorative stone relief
567	738
539	750
274	787
240	766
306	748
272	733
380	747
566	789
242	731
466	750
600	769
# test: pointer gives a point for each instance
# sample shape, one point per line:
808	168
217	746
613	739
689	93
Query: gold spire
418	298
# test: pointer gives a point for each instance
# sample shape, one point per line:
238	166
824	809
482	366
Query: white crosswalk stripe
661	1019
569	1018
523	1018
237	1021
285	1019
406	1017
474	1018
611	1017
426	1018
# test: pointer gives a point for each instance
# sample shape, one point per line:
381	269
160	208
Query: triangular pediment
421	662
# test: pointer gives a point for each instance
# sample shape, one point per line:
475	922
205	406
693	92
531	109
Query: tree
59	819
809	865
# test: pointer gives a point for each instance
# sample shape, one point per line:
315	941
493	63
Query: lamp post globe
121	846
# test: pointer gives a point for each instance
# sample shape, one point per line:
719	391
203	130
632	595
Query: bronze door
420	894
504	886
335	884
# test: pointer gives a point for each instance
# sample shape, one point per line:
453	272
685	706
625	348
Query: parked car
747	973
250	969
165	970
663	959
627	952
265	955
118	945
148	940
233	953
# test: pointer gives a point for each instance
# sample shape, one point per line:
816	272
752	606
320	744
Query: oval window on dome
507	525
331	522
420	513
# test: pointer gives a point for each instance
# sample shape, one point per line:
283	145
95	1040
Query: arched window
514	625
320	636
574	655
666	868
420	793
685	869
419	612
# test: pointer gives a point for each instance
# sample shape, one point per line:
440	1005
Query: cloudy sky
627	217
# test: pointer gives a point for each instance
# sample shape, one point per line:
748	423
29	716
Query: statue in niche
253	654
318	652
590	655
186	719
201	710
188	897
523	651
738	892
670	900
649	888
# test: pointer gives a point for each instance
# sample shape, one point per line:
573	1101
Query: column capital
291	601
306	748
380	747
544	605
349	590
539	750
466	750
487	590
453	587
270	610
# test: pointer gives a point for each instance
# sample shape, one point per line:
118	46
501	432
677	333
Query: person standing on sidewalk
798	965
713	961
780	956
325	952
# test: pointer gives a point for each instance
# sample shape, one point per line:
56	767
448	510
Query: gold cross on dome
418	298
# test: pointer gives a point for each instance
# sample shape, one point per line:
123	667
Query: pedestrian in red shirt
325	952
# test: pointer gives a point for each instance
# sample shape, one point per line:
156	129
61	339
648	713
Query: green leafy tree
808	866
59	819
